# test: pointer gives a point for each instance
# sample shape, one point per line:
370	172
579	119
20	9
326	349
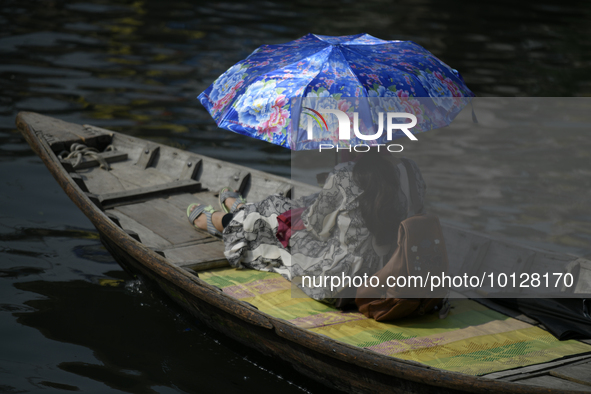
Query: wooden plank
60	135
100	181
144	193
535	368
182	201
505	257
148	237
175	163
216	174
96	130
580	373
204	266
204	255
191	169
529	262
140	178
88	161
68	166
163	219
526	269
554	383
581	270
262	187
502	256
114	218
78	180
240	181
132	146
473	259
95	200
150	154
133	235
459	244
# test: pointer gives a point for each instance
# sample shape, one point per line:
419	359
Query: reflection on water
135	351
137	67
521	172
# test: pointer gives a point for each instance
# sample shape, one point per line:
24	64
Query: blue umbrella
268	94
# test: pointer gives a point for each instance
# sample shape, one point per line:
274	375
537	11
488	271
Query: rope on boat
78	151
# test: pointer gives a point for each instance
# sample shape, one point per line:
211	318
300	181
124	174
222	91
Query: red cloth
288	222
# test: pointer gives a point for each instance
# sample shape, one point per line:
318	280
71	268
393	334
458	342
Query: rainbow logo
315	116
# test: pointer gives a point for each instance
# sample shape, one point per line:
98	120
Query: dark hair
380	206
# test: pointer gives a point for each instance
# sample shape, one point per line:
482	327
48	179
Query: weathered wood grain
101	182
95	200
580	373
551	382
138	177
151	152
474	258
145	193
519	373
239	181
192	255
77	178
216	175
581	269
133	234
129	145
190	169
148	237
60	135
114	218
182	201
87	161
163	219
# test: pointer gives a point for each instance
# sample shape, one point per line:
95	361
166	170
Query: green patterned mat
473	339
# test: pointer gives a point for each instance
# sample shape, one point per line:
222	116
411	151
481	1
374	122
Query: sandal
226	193
208	211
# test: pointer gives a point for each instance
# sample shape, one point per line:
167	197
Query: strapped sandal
226	193
208	211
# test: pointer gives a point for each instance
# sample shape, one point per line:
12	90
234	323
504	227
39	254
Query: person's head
380	206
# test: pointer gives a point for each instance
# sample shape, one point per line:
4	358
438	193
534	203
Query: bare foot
201	221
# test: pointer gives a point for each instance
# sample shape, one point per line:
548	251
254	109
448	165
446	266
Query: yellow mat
472	339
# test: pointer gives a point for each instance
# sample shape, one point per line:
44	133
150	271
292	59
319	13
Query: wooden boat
139	209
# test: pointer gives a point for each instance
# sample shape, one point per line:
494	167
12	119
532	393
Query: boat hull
334	363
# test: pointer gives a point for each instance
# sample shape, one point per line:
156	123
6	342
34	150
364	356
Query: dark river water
71	319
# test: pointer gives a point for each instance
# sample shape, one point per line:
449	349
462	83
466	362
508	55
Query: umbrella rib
395	67
298	60
399	69
261	77
382	63
355	75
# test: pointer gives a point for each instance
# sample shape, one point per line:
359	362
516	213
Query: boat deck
149	186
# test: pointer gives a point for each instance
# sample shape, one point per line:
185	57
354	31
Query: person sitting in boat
347	228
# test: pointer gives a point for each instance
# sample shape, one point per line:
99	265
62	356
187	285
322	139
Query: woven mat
472	339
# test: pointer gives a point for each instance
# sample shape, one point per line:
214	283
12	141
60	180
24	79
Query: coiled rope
78	151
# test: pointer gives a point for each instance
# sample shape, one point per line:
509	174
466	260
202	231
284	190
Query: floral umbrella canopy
260	95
